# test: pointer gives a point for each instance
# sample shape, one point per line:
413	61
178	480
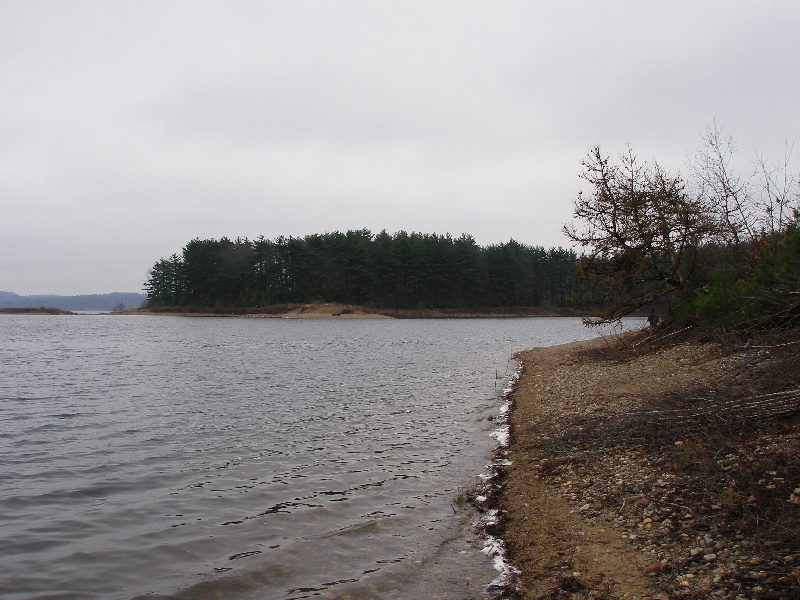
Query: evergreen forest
403	270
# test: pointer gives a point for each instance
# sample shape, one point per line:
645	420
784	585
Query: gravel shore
655	464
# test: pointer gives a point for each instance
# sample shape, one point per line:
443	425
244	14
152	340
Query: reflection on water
245	458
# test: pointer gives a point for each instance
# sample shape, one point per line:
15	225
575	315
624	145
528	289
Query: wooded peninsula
399	271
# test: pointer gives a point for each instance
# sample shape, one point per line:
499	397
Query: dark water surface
247	458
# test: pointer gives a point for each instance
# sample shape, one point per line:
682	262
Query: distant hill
98	302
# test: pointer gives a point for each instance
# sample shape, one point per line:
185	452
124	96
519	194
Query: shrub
765	298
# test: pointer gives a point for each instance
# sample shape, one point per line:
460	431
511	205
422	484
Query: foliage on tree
641	231
751	282
764	299
403	270
164	286
724	249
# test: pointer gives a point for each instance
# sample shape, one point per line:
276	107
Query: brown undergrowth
656	465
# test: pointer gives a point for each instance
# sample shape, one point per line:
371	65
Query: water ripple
200	457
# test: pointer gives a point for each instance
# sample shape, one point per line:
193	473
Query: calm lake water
248	458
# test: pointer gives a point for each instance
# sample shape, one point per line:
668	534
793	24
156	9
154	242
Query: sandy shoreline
348	311
627	480
324	310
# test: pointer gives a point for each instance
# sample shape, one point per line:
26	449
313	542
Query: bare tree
780	196
727	194
747	210
640	229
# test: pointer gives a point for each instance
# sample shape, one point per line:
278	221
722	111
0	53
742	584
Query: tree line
401	270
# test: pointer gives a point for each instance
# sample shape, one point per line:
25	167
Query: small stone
710	557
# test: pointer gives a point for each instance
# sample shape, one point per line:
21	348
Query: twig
663	337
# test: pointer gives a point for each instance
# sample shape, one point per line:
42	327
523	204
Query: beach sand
641	468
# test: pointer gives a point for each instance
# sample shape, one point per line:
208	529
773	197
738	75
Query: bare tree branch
640	230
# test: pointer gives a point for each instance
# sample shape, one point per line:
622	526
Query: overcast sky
129	128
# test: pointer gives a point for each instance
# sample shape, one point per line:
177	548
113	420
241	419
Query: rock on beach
645	469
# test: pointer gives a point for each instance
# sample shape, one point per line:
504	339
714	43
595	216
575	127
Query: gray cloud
129	128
